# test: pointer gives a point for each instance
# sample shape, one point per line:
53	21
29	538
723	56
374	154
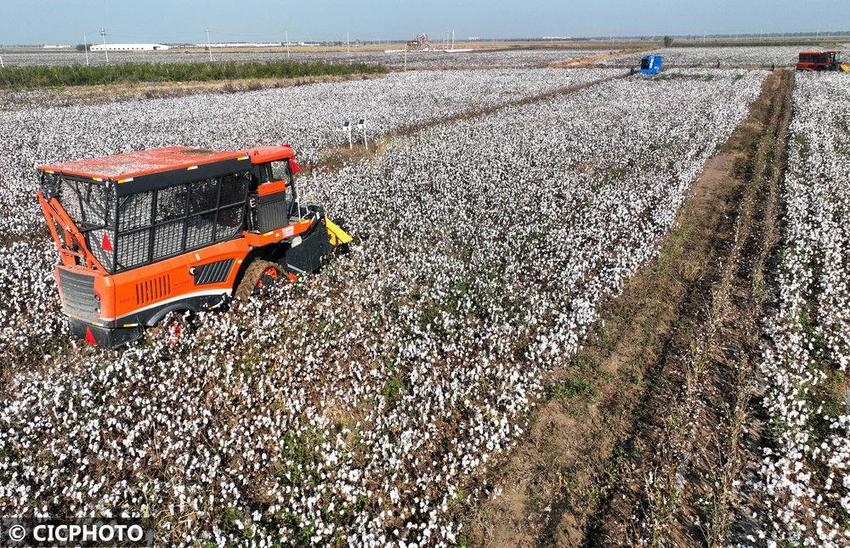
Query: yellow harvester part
844	67
337	235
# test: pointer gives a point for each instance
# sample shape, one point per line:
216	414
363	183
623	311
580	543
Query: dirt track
594	60
645	437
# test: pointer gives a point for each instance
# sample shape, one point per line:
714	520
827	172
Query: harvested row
804	477
677	477
363	405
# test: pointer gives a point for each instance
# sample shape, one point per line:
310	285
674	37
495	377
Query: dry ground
593	60
643	437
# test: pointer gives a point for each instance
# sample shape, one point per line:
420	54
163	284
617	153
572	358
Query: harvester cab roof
147	233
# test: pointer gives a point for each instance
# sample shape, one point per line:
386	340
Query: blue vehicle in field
651	64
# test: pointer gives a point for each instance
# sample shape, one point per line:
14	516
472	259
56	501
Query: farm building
129	47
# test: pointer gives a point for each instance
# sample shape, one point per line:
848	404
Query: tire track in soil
663	360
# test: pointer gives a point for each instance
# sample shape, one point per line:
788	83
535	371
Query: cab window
280	171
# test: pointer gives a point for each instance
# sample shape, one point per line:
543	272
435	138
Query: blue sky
40	21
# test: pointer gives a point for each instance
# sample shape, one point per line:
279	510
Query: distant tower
103	35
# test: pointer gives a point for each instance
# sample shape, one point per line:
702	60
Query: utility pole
105	51
209	45
86	48
453	40
1	62
287	44
348	43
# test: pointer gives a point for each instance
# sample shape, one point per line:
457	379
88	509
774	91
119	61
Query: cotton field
735	56
362	405
752	56
476	59
304	116
415	59
309	117
503	210
805	475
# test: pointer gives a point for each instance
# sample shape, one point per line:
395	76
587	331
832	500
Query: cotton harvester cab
145	234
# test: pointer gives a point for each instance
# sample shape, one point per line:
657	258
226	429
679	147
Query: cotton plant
363	404
805	473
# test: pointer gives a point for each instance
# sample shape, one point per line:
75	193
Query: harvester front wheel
258	276
172	328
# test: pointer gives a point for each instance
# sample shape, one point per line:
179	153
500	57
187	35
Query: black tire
172	327
257	277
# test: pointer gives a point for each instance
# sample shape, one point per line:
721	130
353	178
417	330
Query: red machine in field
149	233
816	61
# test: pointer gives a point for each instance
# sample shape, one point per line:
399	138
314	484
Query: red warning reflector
294	167
105	243
90	337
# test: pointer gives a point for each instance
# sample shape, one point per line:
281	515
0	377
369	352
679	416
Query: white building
128	47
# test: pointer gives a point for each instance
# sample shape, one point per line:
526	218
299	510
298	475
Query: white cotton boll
812	188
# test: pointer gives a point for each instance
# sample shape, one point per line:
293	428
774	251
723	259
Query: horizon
38	22
437	38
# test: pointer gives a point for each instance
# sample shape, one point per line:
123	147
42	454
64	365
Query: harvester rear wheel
258	276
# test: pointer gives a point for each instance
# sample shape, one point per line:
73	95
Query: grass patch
129	73
574	388
393	388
